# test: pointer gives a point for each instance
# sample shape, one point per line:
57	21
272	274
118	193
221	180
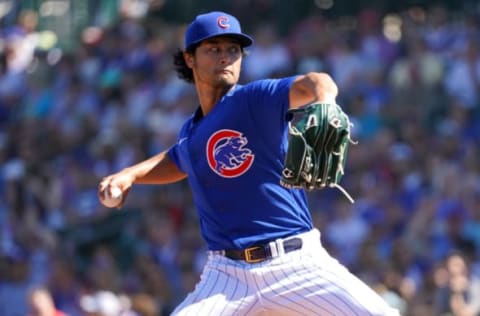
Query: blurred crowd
410	82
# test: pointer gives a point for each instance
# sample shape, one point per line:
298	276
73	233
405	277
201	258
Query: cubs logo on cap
222	21
214	24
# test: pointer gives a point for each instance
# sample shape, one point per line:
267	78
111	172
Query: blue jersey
234	158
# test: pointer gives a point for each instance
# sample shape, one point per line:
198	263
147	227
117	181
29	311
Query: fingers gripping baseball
113	190
112	196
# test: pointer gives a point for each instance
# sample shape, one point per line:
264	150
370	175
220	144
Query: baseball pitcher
249	158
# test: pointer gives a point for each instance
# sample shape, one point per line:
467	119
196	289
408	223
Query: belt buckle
248	255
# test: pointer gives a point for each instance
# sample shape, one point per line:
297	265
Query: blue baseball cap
214	24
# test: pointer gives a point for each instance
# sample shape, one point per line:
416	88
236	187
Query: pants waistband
273	249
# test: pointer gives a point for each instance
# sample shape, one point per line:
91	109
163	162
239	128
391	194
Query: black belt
261	253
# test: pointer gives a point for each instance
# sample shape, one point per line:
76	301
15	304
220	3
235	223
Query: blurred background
87	88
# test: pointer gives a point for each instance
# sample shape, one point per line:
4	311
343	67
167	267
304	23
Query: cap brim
243	39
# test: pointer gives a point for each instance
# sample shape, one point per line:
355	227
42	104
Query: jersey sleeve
174	151
268	103
269	98
174	156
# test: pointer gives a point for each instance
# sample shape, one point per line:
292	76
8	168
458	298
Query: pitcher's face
217	62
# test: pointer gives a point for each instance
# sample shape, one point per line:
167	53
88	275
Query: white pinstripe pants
303	282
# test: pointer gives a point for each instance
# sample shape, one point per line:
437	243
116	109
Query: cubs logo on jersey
228	154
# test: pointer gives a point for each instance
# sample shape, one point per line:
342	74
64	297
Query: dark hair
183	71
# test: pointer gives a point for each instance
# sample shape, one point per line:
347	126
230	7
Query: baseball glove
319	137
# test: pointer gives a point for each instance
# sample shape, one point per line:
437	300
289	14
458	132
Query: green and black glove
319	136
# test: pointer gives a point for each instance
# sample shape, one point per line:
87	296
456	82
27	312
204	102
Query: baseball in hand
112	197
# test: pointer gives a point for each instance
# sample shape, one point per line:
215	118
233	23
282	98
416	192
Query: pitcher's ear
189	60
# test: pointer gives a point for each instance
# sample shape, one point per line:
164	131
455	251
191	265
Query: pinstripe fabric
223	289
304	282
